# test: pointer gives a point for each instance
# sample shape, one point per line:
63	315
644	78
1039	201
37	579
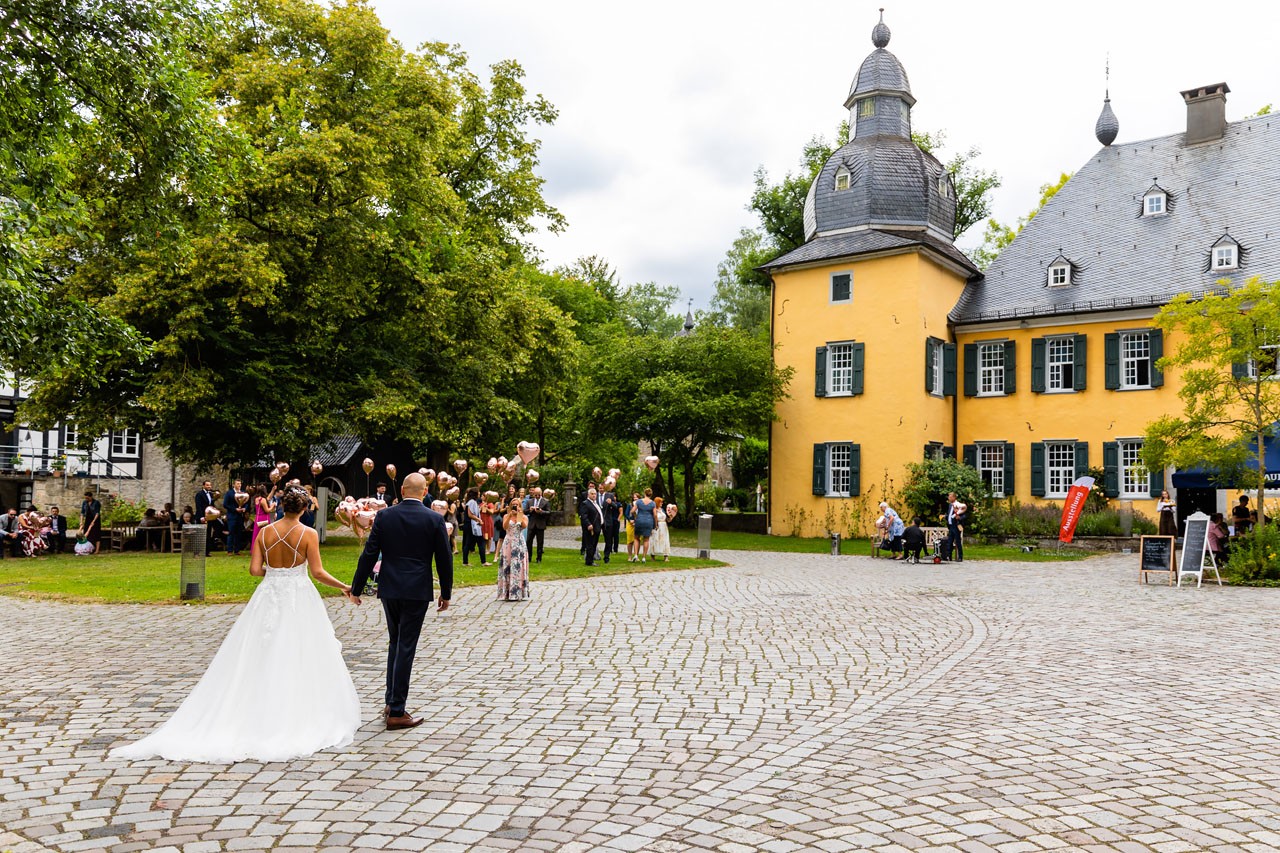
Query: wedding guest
612	511
451	518
10	534
262	510
895	527
1167	511
513	562
57	535
32	524
582	522
473	529
381	494
147	537
1218	538
204	500
91	519
593	523
537	530
310	516
913	541
645	515
956	515
233	512
660	544
632	544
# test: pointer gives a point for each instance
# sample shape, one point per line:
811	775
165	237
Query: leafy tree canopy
996	236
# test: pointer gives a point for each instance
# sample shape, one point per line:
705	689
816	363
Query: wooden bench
121	532
932	536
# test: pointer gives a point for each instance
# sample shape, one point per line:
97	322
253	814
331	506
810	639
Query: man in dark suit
582	519
234	515
408	536
612	509
592	524
537	513
204	500
57	535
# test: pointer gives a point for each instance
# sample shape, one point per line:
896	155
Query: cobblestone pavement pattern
789	702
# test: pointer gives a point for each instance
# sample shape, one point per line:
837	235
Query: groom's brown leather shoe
403	722
386	712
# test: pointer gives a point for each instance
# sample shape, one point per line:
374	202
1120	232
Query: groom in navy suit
408	536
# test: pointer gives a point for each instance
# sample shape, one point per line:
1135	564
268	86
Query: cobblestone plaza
786	702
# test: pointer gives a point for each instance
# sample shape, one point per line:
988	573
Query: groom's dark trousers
408	536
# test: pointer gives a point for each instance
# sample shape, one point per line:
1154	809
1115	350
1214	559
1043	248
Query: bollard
192	574
704	537
835	544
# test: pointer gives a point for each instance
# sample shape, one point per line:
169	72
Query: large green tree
352	256
1226	357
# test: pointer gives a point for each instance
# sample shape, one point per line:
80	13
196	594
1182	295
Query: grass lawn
153	578
732	541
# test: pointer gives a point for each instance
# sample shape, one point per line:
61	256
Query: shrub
925	491
119	509
1255	556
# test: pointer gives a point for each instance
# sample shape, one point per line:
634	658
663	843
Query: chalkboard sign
1195	542
1156	556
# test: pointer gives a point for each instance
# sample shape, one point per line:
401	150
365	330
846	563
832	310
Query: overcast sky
667	108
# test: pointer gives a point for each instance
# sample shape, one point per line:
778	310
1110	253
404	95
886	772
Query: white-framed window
1153	204
125	443
71	434
1270	363
841	287
1135	360
991	467
842	178
1060	467
990	369
1134	482
839	465
935	369
715	456
839	369
1224	257
1060	275
1060	353
866	107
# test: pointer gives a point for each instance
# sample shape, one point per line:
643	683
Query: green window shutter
819	469
948	452
1010	367
1155	485
820	381
1082	459
1037	468
859	368
855	469
1157	353
948	370
1111	464
1080	364
970	452
929	344
971	370
1037	365
1008	468
1111	350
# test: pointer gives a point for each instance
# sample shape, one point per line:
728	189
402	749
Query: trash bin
835	544
704	537
191	573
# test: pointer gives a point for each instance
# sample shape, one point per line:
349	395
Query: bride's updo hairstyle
295	499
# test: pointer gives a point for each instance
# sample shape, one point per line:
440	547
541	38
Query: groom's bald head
415	486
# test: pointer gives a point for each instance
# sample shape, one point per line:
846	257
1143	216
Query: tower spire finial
1108	126
880	34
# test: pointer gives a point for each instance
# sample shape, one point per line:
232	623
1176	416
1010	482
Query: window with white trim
1060	468
991	467
715	456
1224	257
71	434
842	287
1060	353
1134	481
935	369
839	369
990	369
1059	275
1135	360
1270	363
1153	205
839	464
866	107
842	179
125	443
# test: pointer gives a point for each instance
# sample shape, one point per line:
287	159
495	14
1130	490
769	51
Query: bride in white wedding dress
278	687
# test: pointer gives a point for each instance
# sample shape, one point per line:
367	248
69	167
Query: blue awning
1207	478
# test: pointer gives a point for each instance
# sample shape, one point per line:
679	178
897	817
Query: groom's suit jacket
408	536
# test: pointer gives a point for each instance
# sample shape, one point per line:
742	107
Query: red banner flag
1073	508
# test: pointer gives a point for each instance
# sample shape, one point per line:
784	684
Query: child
913	541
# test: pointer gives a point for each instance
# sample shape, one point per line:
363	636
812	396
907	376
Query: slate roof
1120	258
854	243
337	451
880	71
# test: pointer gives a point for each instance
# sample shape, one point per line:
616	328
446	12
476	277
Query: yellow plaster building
1037	370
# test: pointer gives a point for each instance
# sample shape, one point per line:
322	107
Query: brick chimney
1206	112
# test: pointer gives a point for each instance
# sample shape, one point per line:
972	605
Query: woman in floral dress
513	562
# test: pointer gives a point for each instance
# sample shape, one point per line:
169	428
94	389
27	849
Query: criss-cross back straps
297	561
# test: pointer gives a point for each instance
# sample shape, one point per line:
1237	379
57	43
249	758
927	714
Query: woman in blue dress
644	515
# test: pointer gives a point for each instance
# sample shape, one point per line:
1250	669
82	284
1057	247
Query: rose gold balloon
448	528
609	483
283	468
492	465
460	465
274	475
502	462
391	471
428	474
294	482
242	498
672	509
528	451
531	476
452	493
367	465
548	493
211	513
491	496
652	462
615	473
513	467
597	474
480	477
316	468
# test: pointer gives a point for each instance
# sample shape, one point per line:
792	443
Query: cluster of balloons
358	514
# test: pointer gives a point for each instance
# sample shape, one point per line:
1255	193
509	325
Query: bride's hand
354	599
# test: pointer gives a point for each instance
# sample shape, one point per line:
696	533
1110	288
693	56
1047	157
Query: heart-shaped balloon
531	476
448	528
615	473
316	468
294	482
490	495
367	465
452	493
652	462
480	477
242	498
391	471
672	509
492	465
211	513
548	493
597	474
343	511
283	468
428	474
513	468
502	462
528	451
609	483
274	475
459	465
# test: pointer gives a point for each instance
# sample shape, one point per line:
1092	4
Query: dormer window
842	179
1059	275
1153	204
866	107
1224	257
